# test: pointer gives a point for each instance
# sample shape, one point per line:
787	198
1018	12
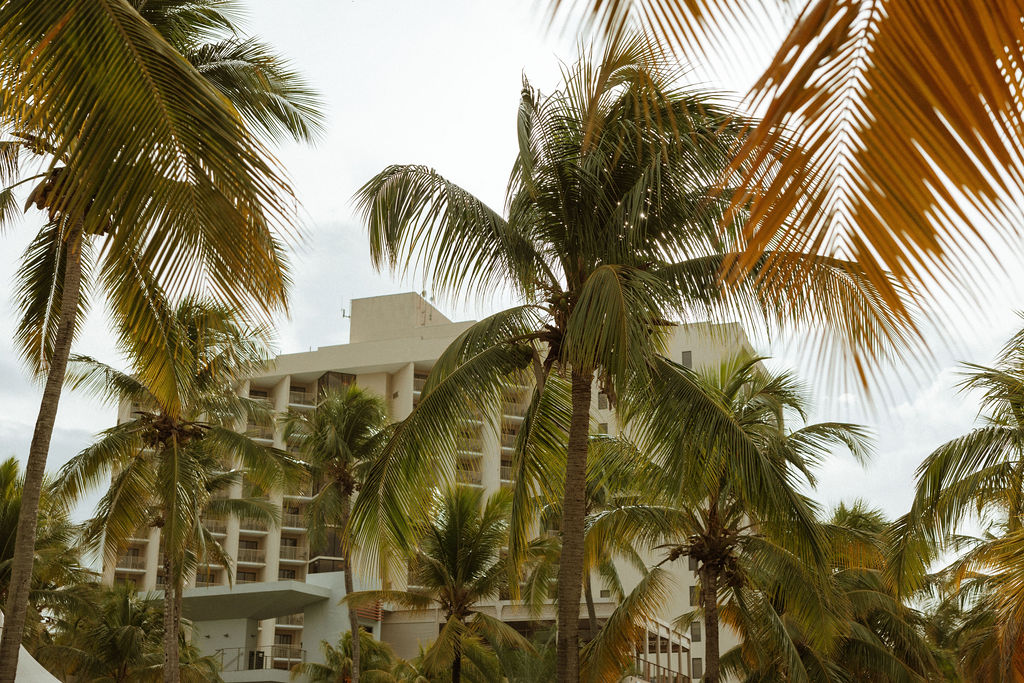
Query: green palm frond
608	654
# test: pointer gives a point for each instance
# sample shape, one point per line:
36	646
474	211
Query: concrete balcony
131	563
468	477
291	553
290	520
301	399
252	556
291	620
260	432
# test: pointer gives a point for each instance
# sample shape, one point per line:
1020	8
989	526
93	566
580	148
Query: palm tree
59	581
166	466
337	440
877	637
612	229
877	103
458	563
977	476
734	512
117	637
145	171
379	663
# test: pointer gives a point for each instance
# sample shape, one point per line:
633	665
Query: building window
245	577
698	667
687	360
602	427
694	596
695	631
289	542
692	561
605	593
246	544
285	574
602	401
282	639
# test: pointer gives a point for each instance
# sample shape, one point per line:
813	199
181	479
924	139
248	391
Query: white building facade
394	342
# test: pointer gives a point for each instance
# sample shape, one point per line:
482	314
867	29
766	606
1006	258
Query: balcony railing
260	431
655	673
301	398
252	555
243	578
293	520
292	552
253	525
471	445
250	659
468	477
508	473
131	562
216	526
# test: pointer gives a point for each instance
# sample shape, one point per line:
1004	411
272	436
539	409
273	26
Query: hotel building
284	599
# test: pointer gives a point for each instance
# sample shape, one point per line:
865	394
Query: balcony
301	492
261	432
508	473
261	658
471	445
251	556
215	526
294	553
470	477
131	562
651	672
293	520
252	526
301	398
291	620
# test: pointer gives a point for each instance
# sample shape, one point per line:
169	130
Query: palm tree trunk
24	544
172	658
457	663
353	618
570	567
588	593
709	596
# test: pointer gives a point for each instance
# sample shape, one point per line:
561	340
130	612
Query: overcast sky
437	83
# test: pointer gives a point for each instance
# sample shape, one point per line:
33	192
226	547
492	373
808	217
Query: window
602	427
695	631
285	574
687	360
282	639
693	563
292	510
694	598
245	577
602	401
605	593
288	542
698	667
247	544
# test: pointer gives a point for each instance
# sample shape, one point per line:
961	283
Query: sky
437	83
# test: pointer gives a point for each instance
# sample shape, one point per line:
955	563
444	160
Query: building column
152	559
